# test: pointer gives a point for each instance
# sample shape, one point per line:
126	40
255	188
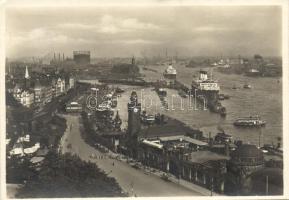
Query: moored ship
207	90
253	72
252	121
170	73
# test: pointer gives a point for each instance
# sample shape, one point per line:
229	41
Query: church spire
27	73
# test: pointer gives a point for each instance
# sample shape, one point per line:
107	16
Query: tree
69	176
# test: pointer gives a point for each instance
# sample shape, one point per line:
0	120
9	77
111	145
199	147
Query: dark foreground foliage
68	176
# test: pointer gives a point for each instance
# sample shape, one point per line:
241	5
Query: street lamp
212	186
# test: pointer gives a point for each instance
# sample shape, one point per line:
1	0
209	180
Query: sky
111	31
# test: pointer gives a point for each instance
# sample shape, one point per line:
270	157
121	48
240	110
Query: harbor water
263	99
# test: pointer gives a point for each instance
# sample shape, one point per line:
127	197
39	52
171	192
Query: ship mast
211	74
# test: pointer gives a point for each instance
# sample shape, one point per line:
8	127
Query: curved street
135	182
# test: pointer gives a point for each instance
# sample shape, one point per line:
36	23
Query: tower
26	79
133	61
134	109
134	126
27	73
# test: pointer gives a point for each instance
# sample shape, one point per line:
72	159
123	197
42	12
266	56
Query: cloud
39	37
211	28
135	41
111	25
121	30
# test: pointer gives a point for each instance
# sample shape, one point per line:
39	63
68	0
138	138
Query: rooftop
205	156
183	138
247	151
171	128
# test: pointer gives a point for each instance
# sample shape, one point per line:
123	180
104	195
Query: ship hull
210	99
170	76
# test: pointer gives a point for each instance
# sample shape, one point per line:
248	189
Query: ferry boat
207	90
253	72
252	121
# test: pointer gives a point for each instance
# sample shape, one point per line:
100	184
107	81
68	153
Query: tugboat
252	121
223	111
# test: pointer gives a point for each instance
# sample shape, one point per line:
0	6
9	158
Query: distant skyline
140	31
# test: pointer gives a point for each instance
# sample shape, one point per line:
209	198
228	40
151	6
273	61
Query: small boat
223	112
247	86
252	121
234	87
223	97
227	96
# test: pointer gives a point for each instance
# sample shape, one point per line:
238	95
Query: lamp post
212	186
267	185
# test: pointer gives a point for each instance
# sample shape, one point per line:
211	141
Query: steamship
207	90
252	121
170	72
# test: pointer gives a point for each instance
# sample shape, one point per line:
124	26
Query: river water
264	99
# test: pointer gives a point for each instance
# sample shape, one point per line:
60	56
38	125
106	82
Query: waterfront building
186	158
246	159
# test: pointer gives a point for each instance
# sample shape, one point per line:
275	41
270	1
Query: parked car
165	177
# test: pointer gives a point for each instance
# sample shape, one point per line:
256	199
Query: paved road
133	181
